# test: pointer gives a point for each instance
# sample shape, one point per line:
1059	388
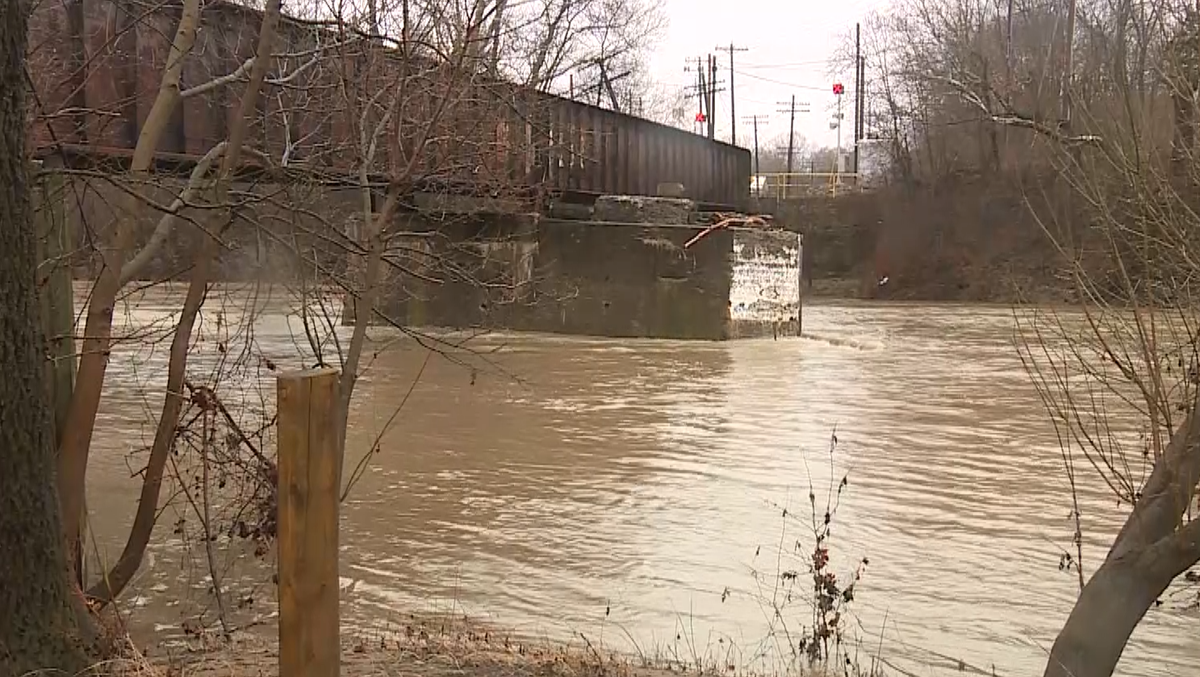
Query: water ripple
642	483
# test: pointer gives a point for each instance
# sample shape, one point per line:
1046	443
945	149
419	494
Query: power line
848	9
790	107
792	85
793	64
760	102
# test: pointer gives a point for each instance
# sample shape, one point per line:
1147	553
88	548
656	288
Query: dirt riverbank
433	646
418	646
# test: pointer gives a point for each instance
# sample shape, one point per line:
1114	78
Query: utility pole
837	162
712	97
1008	46
701	95
791	108
1068	66
757	169
791	111
862	107
755	119
1065	93
857	87
706	92
791	136
732	107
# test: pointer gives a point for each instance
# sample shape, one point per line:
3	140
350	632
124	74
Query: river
634	490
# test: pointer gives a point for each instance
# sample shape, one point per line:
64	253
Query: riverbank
445	646
967	240
1044	291
428	650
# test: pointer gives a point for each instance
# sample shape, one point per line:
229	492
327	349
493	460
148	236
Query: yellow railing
782	185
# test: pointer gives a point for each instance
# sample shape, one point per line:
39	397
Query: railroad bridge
339	107
97	64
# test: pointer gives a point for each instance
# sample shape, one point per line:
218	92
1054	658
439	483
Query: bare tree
1122	389
38	628
401	104
1101	117
600	43
230	152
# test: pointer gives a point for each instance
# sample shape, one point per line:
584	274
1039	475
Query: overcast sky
789	43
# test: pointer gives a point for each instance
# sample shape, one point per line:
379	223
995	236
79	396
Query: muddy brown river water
633	490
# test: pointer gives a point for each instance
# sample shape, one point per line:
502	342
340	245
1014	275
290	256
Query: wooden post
310	464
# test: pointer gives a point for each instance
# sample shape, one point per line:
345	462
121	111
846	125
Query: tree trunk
1108	609
1151	550
144	520
97	332
37	619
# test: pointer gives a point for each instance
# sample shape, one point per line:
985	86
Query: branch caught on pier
728	220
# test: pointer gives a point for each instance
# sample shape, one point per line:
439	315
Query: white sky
789	43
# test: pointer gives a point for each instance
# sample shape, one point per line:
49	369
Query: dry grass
434	646
423	646
431	646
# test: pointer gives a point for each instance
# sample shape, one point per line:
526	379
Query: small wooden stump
310	464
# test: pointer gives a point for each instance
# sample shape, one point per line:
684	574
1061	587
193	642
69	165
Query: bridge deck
96	71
